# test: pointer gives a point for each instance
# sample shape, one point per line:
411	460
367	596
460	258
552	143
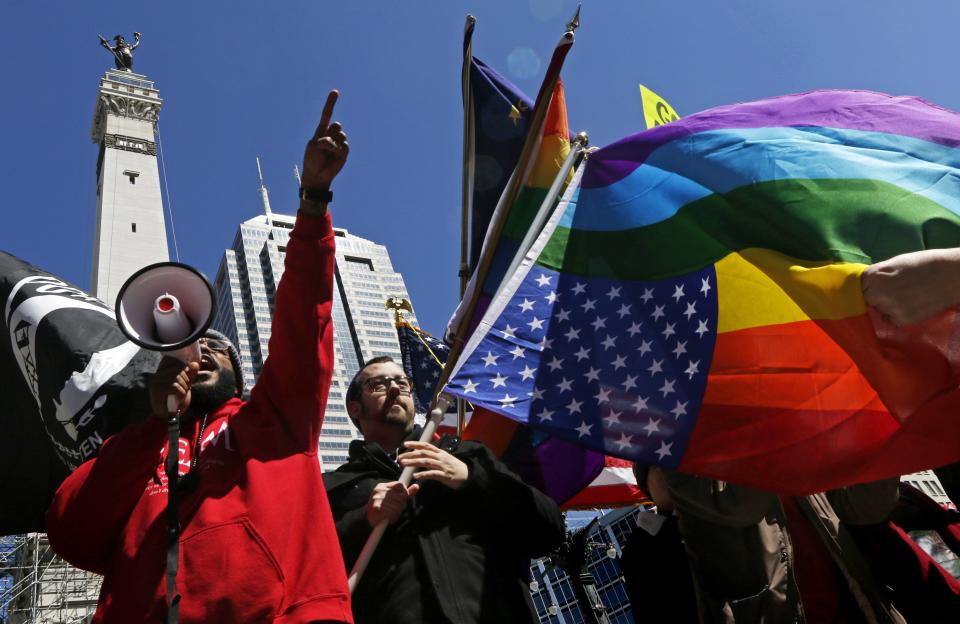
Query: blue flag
423	359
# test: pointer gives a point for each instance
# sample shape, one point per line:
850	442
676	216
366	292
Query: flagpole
467	181
497	224
577	149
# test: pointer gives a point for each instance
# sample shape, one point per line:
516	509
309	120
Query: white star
588	305
603	395
424	364
584	429
705	286
563	315
656	367
644	348
543	280
508	332
490	359
613	418
535	324
593	374
614	293
582	354
677	292
619	362
574	407
551	297
667	387
599	323
680	409
624	441
545	414
609	342
664	449
681	348
669	331
652	427
647	295
657	312
629	383
693	369
623	311
634	329
526	305
527	373
518	352
640	404
469	387
572	334
702	328
555	364
537	394
579	288
546	344
435	374
507	401
691	309
499	381
565	385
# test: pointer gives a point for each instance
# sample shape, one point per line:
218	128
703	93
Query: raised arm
293	385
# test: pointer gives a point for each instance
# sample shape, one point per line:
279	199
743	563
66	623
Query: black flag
70	380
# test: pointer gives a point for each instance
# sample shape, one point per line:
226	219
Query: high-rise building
362	328
130	232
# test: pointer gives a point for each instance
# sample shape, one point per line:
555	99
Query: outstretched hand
913	287
326	151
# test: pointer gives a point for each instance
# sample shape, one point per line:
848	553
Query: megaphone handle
173	405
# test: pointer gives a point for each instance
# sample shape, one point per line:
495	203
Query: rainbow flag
695	299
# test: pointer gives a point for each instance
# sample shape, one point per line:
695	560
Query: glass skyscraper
362	328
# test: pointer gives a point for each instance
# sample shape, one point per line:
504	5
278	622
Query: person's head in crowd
380	402
220	377
651	482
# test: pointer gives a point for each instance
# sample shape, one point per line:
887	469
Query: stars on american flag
615	365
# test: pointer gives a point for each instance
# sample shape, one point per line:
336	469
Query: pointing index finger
327	114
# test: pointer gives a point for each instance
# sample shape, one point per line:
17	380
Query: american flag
423	359
616	366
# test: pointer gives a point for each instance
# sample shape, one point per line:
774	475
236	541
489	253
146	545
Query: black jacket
458	556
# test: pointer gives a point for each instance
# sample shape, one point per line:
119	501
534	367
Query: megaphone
166	306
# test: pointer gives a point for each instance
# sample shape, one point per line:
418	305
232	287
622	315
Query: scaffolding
38	587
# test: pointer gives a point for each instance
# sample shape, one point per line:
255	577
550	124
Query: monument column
130	232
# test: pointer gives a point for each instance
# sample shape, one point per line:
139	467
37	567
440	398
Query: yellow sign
656	111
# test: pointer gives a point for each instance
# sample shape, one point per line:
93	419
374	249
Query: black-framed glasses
215	344
381	383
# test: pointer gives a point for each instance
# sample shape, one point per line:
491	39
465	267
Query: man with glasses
255	536
460	538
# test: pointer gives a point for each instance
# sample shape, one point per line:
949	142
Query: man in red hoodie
257	542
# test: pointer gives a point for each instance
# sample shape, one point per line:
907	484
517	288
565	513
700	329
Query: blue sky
242	79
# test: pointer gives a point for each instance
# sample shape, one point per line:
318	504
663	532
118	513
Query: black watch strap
317	196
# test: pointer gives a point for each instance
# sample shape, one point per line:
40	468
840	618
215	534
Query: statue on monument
122	51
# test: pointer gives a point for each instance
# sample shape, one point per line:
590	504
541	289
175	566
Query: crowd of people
260	535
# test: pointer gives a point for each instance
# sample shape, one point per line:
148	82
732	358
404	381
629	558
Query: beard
208	397
401	417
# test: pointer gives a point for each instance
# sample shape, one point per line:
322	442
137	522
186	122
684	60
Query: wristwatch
316	196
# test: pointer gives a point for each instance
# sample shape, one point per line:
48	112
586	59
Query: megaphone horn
165	306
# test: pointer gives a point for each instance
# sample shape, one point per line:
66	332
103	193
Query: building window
133	228
132	175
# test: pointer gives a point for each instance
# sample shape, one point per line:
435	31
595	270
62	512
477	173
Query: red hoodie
258	542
